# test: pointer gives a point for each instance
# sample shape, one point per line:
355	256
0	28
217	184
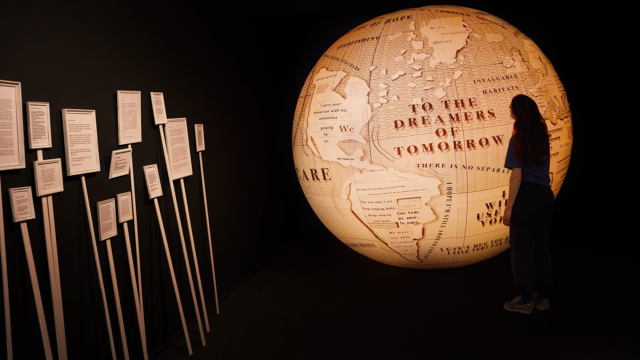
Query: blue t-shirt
531	173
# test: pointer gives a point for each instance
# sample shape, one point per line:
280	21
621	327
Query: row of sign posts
81	151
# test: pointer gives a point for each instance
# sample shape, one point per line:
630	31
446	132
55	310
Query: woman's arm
514	186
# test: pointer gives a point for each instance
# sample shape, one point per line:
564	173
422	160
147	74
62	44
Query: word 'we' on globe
402	127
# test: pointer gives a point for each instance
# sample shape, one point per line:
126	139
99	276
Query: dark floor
320	300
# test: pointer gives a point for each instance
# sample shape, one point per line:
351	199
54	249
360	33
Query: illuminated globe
402	127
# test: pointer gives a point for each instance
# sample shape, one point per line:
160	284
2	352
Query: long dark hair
531	136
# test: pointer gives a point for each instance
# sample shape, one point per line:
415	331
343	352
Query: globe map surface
401	132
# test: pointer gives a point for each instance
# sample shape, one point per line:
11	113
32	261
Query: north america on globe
401	131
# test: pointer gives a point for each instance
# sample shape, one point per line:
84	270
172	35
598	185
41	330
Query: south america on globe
402	127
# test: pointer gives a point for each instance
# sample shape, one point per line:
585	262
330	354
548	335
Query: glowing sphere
402	127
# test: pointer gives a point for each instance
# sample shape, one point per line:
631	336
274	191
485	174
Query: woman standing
530	206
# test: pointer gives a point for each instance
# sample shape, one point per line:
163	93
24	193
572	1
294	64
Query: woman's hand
506	218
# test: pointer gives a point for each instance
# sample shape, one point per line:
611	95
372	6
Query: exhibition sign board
120	163
129	131
80	141
199	137
12	135
129	117
200	148
22	204
39	123
97	261
126	213
22	210
181	147
178	147
152	177
159	110
48	174
107	219
125	209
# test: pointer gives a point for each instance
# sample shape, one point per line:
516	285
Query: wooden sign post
179	167
157	109
109	228
152	178
48	176
130	132
125	213
82	157
13	158
22	210
200	148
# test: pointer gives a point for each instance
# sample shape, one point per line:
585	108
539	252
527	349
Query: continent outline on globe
401	131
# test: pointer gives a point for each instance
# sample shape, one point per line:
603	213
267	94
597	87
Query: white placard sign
129	117
39	125
125	209
120	160
11	133
22	204
153	181
159	110
80	141
178	146
199	137
48	175
107	219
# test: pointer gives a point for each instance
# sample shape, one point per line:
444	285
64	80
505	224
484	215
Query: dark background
238	68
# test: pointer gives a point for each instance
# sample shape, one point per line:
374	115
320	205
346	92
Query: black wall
237	68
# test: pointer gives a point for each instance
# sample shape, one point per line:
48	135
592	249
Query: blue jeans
529	240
